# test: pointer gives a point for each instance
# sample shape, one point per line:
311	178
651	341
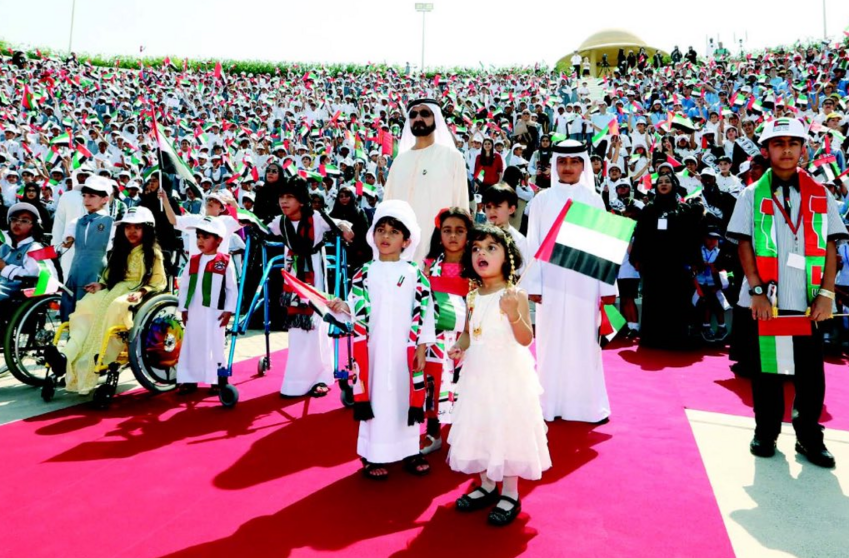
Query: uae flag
587	240
61	138
46	283
776	342
366	188
448	295
171	162
250	217
28	99
611	323
316	299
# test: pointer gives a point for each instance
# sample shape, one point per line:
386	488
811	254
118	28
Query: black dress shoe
819	456
501	517
761	447
466	503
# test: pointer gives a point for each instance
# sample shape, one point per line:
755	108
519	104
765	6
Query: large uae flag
587	240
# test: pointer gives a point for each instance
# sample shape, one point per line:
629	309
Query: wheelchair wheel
155	342
228	396
346	393
262	366
31	328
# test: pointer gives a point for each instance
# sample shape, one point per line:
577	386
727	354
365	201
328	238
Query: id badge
478	198
662	224
796	261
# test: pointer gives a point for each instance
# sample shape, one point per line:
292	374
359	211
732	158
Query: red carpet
164	476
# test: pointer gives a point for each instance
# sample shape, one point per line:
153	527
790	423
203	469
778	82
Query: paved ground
18	402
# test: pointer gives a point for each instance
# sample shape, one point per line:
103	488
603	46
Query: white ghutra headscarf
573	148
442	133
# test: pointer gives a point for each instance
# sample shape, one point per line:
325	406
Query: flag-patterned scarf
813	214
301	245
361	314
216	266
450	318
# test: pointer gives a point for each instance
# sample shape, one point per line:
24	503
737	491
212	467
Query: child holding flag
498	430
309	369
20	252
209	303
391	304
134	269
444	268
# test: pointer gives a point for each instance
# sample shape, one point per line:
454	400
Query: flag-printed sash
776	351
216	267
361	314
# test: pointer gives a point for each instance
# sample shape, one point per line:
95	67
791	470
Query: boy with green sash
786	225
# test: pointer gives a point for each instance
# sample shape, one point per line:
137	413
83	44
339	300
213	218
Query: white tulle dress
497	417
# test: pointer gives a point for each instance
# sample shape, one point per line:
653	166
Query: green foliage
257	66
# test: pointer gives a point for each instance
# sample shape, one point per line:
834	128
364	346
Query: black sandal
314	392
412	464
501	517
369	469
466	503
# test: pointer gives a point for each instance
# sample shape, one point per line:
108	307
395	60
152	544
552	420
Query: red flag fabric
785	325
451	285
47	253
217	72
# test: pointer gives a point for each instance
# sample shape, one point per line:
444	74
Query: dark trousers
809	383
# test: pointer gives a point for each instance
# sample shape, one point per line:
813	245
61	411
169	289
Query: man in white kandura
567	313
429	172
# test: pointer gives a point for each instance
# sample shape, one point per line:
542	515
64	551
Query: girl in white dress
498	429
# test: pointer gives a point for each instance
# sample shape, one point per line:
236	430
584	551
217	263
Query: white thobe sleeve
231	289
184	288
532	278
460	185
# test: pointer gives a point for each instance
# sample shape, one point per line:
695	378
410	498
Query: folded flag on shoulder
587	240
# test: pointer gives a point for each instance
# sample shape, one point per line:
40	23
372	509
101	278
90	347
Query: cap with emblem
212	226
138	216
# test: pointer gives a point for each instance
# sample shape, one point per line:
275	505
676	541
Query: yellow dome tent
608	41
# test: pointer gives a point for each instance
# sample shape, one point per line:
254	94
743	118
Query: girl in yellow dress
134	269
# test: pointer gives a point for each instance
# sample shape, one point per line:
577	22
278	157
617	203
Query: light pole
423	8
824	32
71	34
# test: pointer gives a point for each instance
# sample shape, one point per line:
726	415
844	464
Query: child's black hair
498	193
395	224
116	267
297	187
461	213
502	237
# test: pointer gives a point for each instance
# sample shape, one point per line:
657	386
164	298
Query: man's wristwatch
757	290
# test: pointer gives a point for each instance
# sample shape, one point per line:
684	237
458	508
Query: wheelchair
31	326
151	348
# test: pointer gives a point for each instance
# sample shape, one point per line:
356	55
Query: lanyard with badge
662	222
794	259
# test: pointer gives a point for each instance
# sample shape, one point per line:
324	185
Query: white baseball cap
138	216
783	127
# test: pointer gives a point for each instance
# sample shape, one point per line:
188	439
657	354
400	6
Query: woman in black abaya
665	249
